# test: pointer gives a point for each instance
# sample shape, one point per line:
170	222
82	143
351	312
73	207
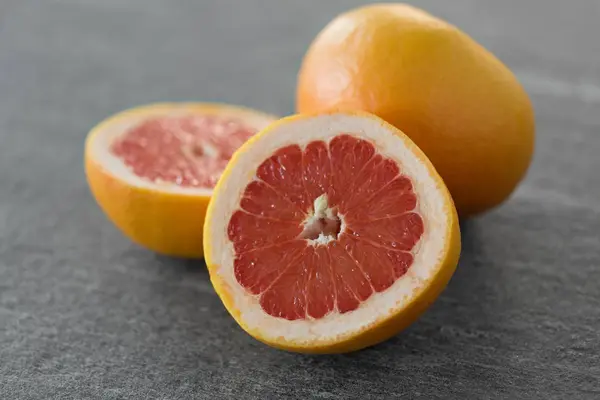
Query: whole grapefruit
460	104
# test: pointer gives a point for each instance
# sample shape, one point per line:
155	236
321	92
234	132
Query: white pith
320	210
427	253
118	125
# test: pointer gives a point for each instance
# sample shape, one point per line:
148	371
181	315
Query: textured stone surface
86	314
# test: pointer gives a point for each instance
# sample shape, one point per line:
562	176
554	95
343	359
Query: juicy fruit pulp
152	169
321	229
329	233
188	150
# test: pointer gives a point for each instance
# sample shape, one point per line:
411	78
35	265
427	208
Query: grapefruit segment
286	296
273	259
376	175
320	298
350	155
316	168
283	172
330	232
381	275
351	283
401	232
262	200
396	199
383	266
248	231
152	169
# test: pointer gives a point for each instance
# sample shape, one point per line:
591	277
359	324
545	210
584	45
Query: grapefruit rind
462	105
165	218
383	314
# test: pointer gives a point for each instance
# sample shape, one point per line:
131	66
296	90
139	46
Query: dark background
84	313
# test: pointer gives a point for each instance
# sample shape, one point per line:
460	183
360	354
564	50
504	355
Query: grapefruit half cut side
329	233
152	169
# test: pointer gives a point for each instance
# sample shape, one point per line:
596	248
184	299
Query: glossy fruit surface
453	98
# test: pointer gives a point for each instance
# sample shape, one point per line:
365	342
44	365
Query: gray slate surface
86	314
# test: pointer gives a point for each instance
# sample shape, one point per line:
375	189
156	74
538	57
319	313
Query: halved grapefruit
152	169
329	233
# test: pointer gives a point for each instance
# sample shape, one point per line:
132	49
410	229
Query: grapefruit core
329	233
152	168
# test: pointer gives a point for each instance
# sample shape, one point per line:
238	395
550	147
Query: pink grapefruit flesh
187	150
322	228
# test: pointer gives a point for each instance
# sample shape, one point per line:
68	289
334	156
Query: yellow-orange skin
369	335
167	223
461	105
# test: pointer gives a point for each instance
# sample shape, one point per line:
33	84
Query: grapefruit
460	104
329	233
152	169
